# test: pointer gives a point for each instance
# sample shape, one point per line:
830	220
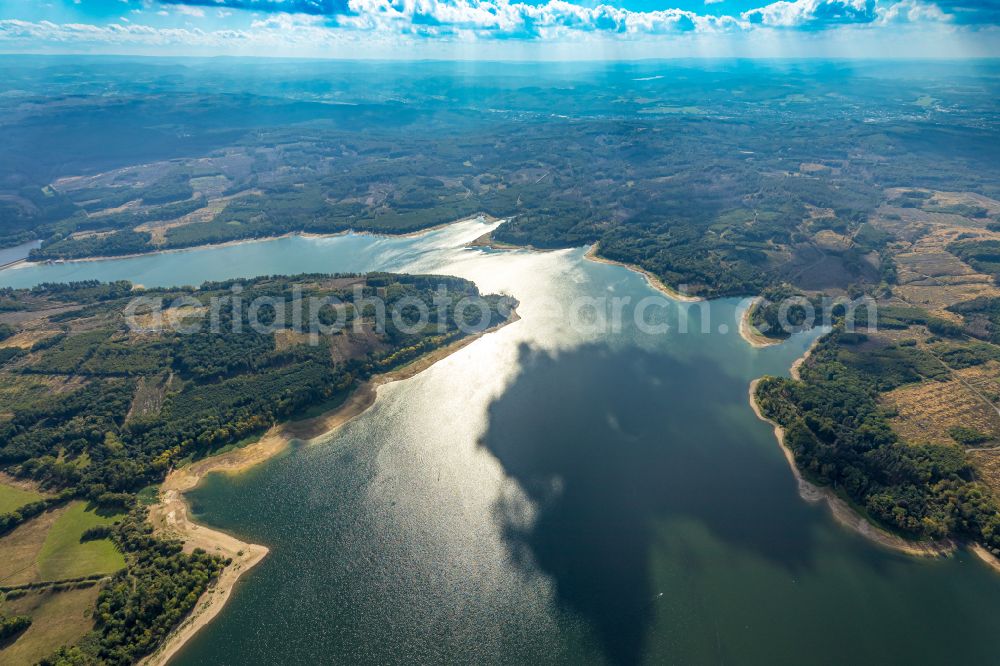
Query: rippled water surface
554	494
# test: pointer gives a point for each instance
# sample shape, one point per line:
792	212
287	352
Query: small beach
752	336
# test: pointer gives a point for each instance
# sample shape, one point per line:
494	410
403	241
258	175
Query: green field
64	556
57	618
12	498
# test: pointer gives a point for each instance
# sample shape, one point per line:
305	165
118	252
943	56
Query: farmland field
13	497
48	548
57	618
64	556
21	548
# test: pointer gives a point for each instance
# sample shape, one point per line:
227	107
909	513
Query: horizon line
451	58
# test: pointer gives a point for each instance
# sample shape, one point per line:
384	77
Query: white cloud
912	11
827	13
187	10
799	13
504	19
496	22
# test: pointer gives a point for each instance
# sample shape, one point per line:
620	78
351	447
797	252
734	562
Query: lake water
554	494
9	255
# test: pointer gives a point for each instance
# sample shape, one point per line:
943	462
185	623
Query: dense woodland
208	389
735	227
840	436
837	421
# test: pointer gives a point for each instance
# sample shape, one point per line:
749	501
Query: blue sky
515	29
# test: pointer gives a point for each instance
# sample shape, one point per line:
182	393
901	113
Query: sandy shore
487	241
170	517
841	510
752	336
263	239
986	556
801	360
654	282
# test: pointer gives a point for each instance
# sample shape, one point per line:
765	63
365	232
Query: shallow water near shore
554	494
10	255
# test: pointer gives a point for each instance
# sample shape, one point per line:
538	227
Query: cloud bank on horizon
550	29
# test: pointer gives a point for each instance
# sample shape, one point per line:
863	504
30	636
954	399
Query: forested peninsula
101	400
896	409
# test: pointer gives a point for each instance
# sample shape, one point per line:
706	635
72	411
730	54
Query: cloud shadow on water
607	443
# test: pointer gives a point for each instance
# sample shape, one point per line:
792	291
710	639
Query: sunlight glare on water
552	494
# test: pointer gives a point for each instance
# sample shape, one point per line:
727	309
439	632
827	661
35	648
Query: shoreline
11	264
263	239
751	335
794	371
170	516
488	242
651	279
842	512
988	558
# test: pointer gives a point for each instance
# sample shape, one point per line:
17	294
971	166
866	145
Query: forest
223	385
841	437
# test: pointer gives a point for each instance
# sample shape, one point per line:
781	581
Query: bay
556	492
